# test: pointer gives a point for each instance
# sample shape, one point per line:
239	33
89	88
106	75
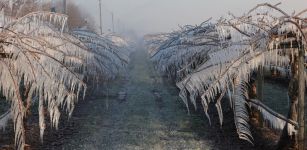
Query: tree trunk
301	100
286	141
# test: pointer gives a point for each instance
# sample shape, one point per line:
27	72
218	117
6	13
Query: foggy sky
150	16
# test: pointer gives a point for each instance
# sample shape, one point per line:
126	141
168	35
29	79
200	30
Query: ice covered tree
264	36
154	41
110	57
40	63
43	63
181	51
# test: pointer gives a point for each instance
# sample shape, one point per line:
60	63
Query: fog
150	16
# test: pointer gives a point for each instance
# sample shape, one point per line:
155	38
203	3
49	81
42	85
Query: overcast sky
149	16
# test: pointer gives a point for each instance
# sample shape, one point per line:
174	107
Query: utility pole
112	22
118	27
64	7
100	16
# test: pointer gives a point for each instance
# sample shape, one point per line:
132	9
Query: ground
141	110
151	116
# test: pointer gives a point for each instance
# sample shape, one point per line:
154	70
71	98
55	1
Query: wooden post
301	99
287	141
260	83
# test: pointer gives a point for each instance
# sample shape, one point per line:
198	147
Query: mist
152	16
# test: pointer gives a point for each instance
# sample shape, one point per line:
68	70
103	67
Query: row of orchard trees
217	59
45	64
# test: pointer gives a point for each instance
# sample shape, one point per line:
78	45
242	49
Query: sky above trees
150	16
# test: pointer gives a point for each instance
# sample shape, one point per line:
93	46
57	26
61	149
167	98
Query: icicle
4	120
219	110
205	105
291	129
42	125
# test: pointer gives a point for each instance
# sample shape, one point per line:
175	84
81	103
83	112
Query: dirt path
143	111
146	114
